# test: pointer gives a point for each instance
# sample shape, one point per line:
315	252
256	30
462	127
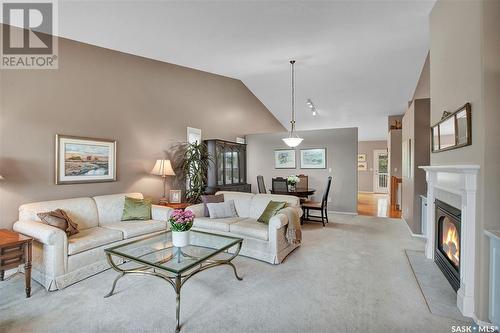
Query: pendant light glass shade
293	140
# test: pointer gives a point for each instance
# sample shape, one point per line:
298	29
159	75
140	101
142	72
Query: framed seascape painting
313	158
84	160
284	159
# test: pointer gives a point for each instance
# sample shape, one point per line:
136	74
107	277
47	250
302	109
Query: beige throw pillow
222	209
59	219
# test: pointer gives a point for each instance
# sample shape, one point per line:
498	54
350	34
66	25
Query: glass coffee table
156	256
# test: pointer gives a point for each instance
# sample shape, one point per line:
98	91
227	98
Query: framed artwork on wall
313	158
175	196
284	159
84	160
361	157
362	166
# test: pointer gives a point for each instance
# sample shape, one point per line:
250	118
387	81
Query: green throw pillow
136	209
272	208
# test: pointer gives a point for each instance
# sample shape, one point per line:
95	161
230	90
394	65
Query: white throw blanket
293	228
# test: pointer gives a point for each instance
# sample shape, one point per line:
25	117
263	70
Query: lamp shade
163	168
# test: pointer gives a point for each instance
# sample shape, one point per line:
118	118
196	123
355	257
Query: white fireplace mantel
455	185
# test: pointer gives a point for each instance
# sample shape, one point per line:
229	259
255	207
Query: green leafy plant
196	161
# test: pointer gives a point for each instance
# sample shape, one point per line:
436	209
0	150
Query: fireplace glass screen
450	241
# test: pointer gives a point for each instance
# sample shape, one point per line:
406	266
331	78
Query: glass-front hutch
228	170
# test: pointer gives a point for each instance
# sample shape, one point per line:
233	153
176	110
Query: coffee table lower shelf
176	280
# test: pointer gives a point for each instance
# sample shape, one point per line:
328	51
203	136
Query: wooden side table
15	249
180	205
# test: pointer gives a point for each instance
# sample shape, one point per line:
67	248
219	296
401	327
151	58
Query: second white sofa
262	241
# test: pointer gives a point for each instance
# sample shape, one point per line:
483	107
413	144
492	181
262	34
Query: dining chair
303	183
280	185
261	185
318	206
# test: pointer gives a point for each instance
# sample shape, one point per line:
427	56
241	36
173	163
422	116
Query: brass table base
176	281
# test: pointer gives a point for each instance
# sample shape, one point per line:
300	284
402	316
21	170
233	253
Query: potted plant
292	181
196	160
181	222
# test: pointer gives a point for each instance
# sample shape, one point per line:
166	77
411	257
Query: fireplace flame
451	246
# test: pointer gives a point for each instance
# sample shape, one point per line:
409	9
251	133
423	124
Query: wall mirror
453	130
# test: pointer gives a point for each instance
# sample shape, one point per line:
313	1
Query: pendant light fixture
293	140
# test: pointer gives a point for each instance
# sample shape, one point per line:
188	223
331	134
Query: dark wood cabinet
228	170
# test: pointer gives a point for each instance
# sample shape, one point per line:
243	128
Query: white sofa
261	241
59	261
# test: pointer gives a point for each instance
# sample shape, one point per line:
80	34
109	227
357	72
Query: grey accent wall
394	148
342	148
415	128
365	178
145	105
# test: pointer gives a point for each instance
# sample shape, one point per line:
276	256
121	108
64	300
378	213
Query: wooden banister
395	192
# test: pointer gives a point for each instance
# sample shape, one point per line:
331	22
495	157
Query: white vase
180	238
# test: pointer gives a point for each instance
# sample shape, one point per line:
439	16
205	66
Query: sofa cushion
210	199
222	210
215	224
82	211
91	238
110	207
260	202
272	208
59	219
136	209
137	228
242	201
250	228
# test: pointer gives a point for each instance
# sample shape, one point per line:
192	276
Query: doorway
380	171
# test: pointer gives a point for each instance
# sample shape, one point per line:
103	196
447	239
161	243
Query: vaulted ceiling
358	61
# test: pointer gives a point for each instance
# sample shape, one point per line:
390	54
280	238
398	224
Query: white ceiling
359	61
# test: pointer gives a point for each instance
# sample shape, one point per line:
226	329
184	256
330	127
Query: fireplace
447	249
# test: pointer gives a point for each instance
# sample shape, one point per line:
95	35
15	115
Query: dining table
300	192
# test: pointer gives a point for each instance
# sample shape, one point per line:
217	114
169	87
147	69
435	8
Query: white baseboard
366	192
411	232
343	213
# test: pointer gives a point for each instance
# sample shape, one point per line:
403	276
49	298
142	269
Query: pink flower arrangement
181	220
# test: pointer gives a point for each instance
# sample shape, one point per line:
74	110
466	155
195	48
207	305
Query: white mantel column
465	295
431	178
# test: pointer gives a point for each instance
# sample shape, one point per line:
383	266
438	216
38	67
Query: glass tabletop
158	251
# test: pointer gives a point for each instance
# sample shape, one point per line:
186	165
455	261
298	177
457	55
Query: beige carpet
352	276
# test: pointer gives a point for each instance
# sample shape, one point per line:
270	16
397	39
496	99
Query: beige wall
465	67
423	89
365	178
145	105
341	146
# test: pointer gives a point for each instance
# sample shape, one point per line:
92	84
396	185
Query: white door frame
376	183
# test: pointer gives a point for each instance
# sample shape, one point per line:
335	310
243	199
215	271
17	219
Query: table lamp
163	168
